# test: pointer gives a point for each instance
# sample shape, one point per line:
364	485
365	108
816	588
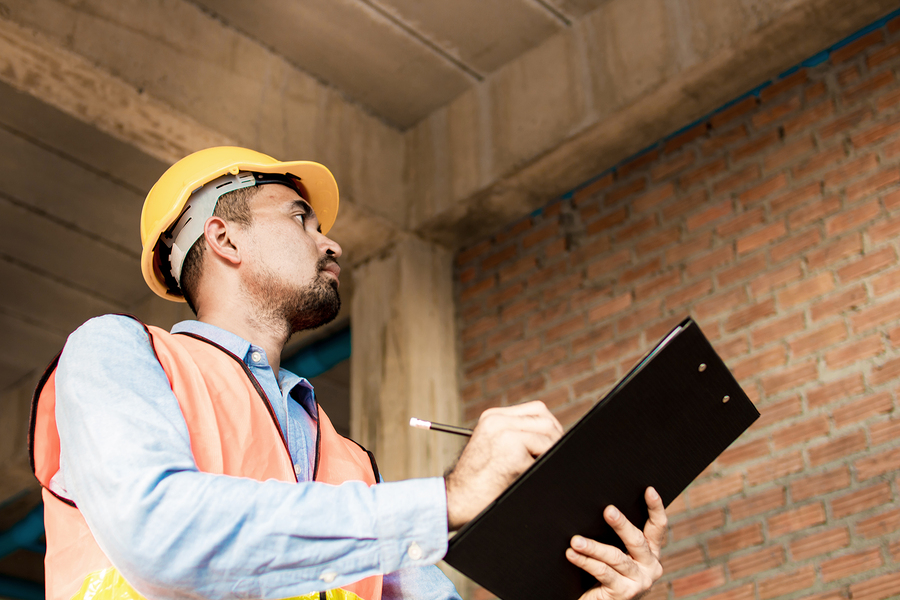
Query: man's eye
302	219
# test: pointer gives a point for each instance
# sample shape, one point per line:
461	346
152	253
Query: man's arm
175	532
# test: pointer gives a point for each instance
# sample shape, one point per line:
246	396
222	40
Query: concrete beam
188	82
623	77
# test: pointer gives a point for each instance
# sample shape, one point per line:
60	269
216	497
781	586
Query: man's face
291	268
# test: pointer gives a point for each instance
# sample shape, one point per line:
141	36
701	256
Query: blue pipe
315	359
20	589
24	534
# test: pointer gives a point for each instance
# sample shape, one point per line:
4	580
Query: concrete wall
775	224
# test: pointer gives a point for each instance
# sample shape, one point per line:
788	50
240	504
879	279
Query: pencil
414	422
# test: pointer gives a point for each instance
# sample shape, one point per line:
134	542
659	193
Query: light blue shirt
175	532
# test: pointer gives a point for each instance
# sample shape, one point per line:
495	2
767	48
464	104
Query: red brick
885	431
876	133
853	218
513	231
838	303
703	173
861	500
761	237
850	170
697	524
547	357
767	117
749	315
855	47
756	145
565	328
561	288
592	188
796	519
835	391
657	285
819	161
723	139
764	189
850	564
786	583
698	582
763	361
522	307
688	294
777	330
540	234
666	169
820	543
503	336
867	347
741	453
868	86
879	525
733	541
814	212
737	179
846	122
590	338
657	241
873	184
837	448
885	372
519	267
892	200
848	76
639	317
482	367
683	559
795	245
800	432
874	316
715	489
720	303
709	215
608	264
637	163
686	137
635	187
476	289
606	309
570	369
636	228
653	198
877	588
806	290
775	468
520	349
809	117
884	231
607	221
525	390
595	382
777	412
741	222
473	252
500	379
710	261
877	464
883	54
820	484
685	204
782	85
816	90
757	504
788	153
742	270
819	339
790	377
776	278
734	111
756	562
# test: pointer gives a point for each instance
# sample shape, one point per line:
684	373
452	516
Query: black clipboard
661	425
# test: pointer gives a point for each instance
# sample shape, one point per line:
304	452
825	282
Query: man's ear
220	239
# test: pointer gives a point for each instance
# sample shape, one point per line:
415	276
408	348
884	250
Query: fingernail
578	543
653	494
613	513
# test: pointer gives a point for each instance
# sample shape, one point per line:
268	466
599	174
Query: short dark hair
233	206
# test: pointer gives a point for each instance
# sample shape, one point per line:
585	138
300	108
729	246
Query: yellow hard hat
169	196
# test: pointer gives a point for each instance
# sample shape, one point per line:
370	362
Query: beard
307	307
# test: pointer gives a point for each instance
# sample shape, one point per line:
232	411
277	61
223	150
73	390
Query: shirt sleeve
175	532
418	583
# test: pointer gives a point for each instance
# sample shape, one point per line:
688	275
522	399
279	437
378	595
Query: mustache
325	261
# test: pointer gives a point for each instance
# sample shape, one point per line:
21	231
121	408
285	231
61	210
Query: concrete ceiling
440	119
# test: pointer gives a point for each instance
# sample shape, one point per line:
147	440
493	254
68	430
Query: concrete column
404	359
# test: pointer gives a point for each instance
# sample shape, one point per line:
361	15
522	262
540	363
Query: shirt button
328	577
256	357
414	551
297	470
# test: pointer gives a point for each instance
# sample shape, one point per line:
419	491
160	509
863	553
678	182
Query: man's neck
268	337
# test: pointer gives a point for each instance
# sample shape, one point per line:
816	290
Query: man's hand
623	576
505	443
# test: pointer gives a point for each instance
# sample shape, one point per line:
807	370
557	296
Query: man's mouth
333	268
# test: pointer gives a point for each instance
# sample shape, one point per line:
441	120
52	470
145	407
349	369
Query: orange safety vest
233	431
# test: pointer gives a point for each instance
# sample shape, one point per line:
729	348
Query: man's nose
332	248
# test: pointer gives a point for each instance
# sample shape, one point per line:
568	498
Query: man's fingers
655	529
609	556
598	569
532	414
633	537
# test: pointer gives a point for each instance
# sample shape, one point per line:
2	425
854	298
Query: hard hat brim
318	181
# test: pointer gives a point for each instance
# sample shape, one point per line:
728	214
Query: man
189	465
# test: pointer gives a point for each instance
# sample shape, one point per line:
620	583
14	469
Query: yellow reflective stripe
108	584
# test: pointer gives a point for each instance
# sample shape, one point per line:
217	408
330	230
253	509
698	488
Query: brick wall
775	224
